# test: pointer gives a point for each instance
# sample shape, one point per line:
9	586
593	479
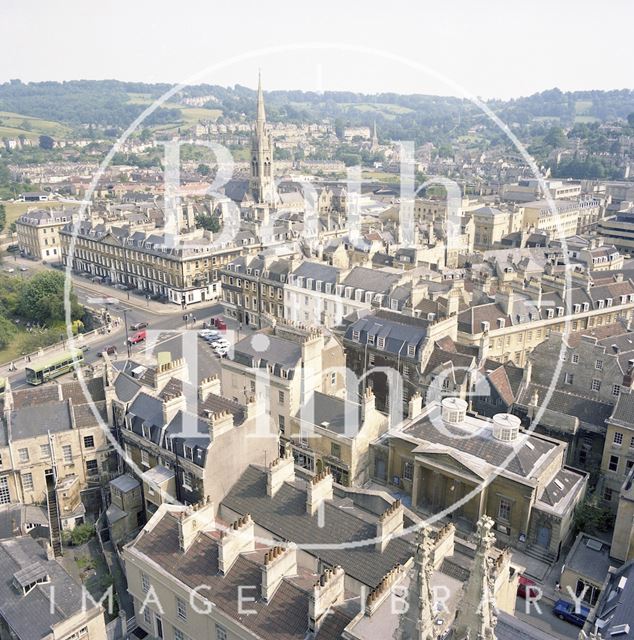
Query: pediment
449	462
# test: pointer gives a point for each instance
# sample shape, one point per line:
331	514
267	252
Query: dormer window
560	311
381	343
608	302
357	295
189	452
586	306
601	304
576	308
550	313
411	350
355	335
371	338
328	287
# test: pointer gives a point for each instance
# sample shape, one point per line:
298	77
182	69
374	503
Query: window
411	350
335	449
281	423
145	583
5	496
575	358
618	438
381	343
145	459
67	453
408	471
23	455
596	385
188	480
181	609
355	335
147	617
92	468
179	635
614	463
632	442
607	494
504	511
628	465
27	481
598	365
616	389
89	442
221	632
45	451
333	379
568	378
280	397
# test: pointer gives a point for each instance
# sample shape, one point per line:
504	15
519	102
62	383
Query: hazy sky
494	48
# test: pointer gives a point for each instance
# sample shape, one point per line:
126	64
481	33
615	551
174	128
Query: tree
46	142
208	222
3	217
203	169
42	299
555	138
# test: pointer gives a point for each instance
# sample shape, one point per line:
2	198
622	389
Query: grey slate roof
37	420
588	562
29	615
279	351
624	410
284	515
616	605
332	413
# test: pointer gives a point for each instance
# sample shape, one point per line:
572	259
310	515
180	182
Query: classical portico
441	481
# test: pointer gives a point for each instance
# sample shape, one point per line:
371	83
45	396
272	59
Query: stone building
38	233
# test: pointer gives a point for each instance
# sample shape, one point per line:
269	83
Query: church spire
261	114
417	623
476	617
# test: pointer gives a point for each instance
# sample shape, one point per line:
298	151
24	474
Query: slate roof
32	397
616	605
74	391
279	351
624	410
317	271
33	421
481	444
284	515
332	413
29	616
126	387
588	562
376	280
559	487
285	617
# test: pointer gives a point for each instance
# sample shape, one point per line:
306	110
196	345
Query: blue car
566	611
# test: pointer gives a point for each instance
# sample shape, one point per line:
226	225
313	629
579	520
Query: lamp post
127	340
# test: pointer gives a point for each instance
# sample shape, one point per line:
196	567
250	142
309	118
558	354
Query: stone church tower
262	185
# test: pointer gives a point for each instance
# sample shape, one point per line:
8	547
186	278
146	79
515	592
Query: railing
80	339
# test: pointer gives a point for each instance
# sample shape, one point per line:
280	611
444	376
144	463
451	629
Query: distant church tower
262	185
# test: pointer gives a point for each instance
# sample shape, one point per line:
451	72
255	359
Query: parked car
111	350
24	268
137	337
524	588
137	326
10	270
565	610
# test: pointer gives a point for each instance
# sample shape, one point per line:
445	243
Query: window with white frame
145	583
408	471
27	481
188	480
568	378
616	389
181	609
618	438
575	358
145	458
596	385
598	365
45	451
67	454
221	632
504	510
23	454
411	350
89	442
381	343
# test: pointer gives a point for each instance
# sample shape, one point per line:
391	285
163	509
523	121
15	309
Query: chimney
415	406
281	470
167	369
319	489
483	348
172	405
207	386
327	591
279	562
192	520
238	538
368	405
390	523
504	298
219	423
378	595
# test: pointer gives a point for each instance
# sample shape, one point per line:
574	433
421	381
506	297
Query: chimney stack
281	470
415	406
237	539
327	591
172	405
279	562
319	490
192	520
207	386
390	524
220	423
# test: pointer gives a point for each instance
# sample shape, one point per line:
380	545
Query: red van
220	324
137	337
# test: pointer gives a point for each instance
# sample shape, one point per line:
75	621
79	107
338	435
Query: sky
486	48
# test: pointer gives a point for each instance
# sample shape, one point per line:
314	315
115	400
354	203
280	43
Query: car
565	610
137	326
221	342
524	588
10	270
111	350
137	337
207	333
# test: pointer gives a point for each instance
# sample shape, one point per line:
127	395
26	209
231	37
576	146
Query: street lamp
127	340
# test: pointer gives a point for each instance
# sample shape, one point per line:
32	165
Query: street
164	318
546	621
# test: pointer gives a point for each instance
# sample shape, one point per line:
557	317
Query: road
165	330
546	621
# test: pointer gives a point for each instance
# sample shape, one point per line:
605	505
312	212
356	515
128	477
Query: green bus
48	369
3	386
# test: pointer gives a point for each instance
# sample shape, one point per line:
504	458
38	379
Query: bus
44	370
3	386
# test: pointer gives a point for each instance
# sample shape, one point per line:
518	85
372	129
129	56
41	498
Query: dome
506	427
454	410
